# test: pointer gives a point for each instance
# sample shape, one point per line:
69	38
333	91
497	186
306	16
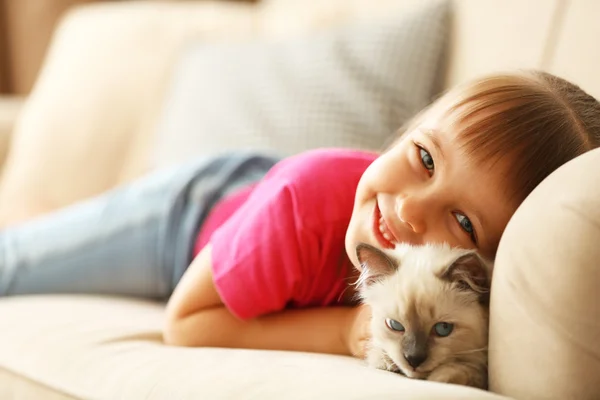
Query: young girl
272	242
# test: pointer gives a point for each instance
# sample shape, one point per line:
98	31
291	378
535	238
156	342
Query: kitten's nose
415	359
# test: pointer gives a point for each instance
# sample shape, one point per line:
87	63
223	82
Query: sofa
22	49
99	116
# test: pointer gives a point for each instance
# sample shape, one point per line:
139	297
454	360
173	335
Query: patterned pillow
350	86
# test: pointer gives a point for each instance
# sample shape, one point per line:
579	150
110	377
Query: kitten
429	311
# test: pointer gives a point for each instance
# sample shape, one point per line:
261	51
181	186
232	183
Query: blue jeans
136	240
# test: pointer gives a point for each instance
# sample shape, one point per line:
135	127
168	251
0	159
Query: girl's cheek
374	172
398	165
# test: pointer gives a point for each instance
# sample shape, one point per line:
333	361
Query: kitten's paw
376	358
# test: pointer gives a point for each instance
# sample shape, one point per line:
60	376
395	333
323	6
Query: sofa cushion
64	347
10	108
350	86
544	326
84	127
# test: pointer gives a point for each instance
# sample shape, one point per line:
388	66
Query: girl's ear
470	272
375	264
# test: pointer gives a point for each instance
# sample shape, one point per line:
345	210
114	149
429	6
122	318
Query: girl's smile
382	232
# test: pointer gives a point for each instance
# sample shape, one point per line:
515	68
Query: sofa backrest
559	36
80	134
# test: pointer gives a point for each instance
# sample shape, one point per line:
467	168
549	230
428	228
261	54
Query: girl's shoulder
319	185
331	156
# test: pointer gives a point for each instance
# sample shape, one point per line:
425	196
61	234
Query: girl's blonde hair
536	119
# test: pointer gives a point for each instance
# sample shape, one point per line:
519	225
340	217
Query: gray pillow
352	86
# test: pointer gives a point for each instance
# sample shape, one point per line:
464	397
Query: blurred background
94	93
26	28
554	27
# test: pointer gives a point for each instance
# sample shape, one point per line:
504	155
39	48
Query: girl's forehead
437	127
482	146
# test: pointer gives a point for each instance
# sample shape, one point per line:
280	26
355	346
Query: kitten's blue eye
466	225
427	160
443	329
394	325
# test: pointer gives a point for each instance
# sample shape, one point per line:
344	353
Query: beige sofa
61	148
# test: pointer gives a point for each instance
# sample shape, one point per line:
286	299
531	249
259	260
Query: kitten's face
428	305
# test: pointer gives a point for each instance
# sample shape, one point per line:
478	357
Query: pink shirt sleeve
283	244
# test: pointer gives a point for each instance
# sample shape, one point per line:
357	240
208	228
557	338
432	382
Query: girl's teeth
383	231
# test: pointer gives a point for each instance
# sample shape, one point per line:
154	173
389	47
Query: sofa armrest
545	301
10	108
89	121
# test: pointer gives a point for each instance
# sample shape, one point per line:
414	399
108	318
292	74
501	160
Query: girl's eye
443	329
394	325
427	160
466	225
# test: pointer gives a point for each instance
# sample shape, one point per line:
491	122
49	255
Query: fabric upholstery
10	107
545	305
575	56
110	348
74	139
351	86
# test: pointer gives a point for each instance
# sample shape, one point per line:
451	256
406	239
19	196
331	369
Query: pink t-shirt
280	242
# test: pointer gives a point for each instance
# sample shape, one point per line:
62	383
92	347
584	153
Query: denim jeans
135	240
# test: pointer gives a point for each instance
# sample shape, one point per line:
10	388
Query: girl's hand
359	330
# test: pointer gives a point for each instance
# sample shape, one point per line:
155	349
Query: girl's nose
413	213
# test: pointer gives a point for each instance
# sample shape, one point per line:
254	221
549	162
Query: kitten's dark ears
470	272
375	264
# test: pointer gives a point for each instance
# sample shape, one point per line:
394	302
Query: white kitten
430	311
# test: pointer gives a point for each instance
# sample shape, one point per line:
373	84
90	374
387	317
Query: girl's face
425	189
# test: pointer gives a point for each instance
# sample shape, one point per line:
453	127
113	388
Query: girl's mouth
382	233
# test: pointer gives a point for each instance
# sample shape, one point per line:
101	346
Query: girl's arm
197	317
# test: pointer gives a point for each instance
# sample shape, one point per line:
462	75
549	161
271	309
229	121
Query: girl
272	243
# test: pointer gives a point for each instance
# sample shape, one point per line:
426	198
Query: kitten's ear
470	271
374	263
